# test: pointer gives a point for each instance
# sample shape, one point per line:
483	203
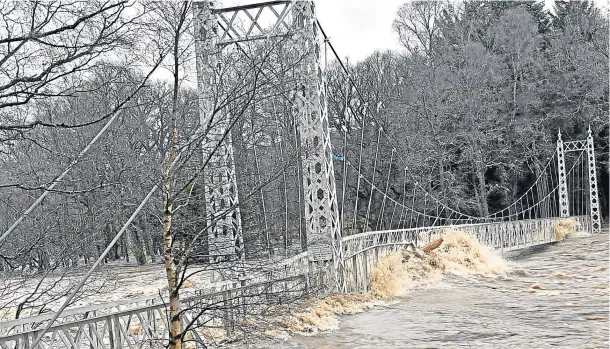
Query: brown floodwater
555	297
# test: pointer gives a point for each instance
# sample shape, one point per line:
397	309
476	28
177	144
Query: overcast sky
356	28
359	27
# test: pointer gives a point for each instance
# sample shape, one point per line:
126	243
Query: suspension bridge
342	233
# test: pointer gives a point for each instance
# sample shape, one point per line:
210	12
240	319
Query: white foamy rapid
459	254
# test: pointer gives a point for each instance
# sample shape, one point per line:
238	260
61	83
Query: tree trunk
433	245
115	251
262	193
484	210
175	330
441	171
151	248
126	246
175	326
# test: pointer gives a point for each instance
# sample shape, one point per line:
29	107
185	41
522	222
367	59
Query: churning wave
459	254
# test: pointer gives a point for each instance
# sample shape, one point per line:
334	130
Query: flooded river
555	297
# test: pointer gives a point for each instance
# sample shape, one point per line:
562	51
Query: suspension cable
361	96
385	194
113	116
368	182
404	197
412	206
84	279
368	209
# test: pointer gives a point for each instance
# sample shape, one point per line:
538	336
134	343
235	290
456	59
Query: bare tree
416	24
47	48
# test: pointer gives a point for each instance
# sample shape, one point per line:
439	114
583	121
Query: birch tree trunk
175	26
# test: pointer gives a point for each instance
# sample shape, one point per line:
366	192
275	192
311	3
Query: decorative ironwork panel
223	216
574	146
593	197
564	203
253	22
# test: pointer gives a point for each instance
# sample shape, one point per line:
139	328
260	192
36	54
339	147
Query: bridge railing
363	251
147	327
142	322
503	236
257	272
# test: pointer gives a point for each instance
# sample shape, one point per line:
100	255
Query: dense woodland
473	103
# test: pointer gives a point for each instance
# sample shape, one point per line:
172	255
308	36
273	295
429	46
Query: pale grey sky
359	27
356	28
